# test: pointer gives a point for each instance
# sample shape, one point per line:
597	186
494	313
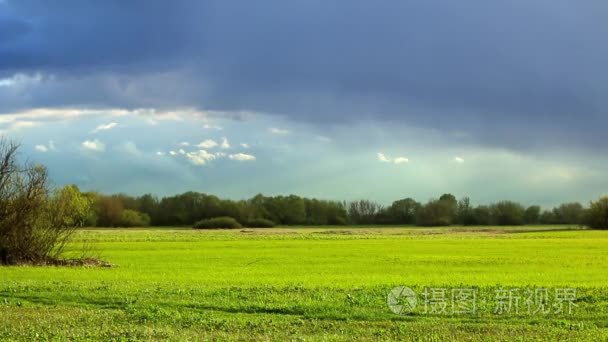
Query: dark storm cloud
91	35
514	73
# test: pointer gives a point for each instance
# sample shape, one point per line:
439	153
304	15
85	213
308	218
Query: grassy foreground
314	284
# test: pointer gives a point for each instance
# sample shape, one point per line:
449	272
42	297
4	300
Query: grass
308	284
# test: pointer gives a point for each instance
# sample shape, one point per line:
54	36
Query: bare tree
35	224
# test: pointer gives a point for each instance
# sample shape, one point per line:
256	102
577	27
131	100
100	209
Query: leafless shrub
35	223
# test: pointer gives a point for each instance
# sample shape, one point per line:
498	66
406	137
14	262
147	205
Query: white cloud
28	118
398	160
184	143
458	160
181	151
241	157
50	114
209	126
244	145
93	145
225	144
7	126
324	138
159	153
401	160
41	148
38	116
53	114
17	125
209	143
279	131
105	127
152	115
45	148
24	124
383	158
200	157
20	80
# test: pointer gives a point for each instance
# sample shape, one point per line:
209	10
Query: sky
335	99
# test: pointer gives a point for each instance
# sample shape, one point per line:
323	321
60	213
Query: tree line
37	221
121	210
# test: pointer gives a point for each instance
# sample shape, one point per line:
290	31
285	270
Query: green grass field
311	284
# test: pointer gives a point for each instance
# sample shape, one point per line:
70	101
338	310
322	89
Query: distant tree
336	213
532	214
435	213
465	213
190	207
403	211
258	205
597	214
319	212
128	202
186	208
452	203
482	215
568	213
295	210
109	211
507	213
148	204
448	197
363	211
547	217
288	210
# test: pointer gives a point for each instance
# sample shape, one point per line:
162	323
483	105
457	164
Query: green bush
260	223
217	222
133	218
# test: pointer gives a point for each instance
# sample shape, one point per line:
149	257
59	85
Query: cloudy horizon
336	100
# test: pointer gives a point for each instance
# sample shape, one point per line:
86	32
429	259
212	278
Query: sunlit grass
303	283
